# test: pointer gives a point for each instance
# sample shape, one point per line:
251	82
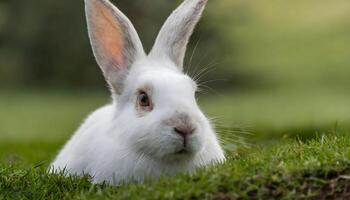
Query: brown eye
144	101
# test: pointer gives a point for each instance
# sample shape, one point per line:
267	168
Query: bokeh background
274	68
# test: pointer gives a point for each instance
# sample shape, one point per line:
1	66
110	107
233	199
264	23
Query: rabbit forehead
165	81
160	76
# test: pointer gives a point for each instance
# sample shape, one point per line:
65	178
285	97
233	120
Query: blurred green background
276	68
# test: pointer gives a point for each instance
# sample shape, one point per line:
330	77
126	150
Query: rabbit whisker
193	53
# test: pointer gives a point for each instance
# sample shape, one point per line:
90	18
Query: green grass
289	170
282	113
45	115
287	155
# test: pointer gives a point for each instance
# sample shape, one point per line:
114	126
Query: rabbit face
160	108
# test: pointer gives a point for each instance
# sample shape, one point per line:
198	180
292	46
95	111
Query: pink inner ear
107	33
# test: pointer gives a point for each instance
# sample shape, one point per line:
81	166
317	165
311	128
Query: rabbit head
156	110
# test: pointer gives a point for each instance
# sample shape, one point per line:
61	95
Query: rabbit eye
144	101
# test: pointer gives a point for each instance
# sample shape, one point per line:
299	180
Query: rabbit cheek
169	144
194	145
140	112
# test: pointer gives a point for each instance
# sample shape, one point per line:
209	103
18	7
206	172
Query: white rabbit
154	125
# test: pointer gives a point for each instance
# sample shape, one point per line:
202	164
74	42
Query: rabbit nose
184	131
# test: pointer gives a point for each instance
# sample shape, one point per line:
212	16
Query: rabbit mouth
185	151
182	151
188	148
180	155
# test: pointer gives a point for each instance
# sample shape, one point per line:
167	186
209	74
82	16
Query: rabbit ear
177	30
114	41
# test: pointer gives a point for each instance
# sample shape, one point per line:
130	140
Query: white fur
116	144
